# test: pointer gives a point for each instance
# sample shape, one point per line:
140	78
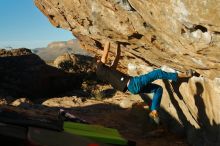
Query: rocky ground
100	104
95	102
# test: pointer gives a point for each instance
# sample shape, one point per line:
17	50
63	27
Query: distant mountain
55	49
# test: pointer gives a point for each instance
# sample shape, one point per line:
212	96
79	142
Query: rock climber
136	84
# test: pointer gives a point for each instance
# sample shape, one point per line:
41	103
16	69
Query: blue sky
23	25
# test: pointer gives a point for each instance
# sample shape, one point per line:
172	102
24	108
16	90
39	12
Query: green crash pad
95	132
45	137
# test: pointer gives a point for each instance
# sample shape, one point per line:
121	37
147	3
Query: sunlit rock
180	34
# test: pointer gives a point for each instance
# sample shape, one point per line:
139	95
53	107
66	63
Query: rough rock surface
190	106
65	61
75	63
23	73
180	34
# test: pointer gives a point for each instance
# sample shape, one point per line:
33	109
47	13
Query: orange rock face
179	34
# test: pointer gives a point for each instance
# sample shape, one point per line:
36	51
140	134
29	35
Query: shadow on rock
24	74
209	129
207	134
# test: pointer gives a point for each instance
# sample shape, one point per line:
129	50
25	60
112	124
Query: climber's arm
117	57
105	52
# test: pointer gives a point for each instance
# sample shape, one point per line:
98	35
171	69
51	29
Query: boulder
180	34
65	62
24	74
189	107
75	63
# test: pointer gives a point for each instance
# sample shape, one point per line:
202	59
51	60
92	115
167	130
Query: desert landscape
174	36
91	100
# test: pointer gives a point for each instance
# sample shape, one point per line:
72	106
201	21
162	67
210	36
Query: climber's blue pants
142	84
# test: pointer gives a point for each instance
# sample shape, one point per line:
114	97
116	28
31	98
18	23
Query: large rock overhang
180	34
